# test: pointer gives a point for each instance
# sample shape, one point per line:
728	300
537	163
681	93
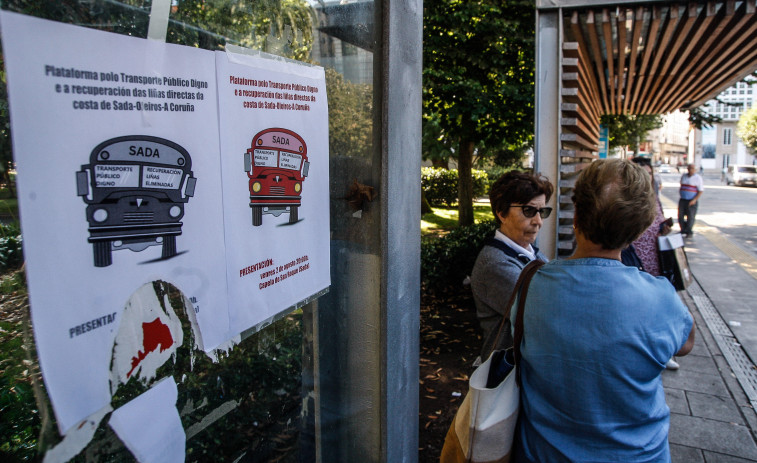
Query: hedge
440	185
446	261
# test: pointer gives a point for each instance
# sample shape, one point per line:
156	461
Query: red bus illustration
135	188
276	165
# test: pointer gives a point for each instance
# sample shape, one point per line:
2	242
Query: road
732	210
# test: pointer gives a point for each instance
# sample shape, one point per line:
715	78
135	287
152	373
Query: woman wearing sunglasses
518	202
597	334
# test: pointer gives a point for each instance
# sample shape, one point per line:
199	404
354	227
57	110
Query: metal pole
547	136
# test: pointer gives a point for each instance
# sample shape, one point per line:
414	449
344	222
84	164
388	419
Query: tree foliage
436	145
478	77
630	129
350	116
747	128
701	119
282	27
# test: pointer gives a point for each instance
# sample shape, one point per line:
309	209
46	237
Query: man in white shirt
692	186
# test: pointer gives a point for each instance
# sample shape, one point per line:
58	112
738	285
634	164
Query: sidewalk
712	397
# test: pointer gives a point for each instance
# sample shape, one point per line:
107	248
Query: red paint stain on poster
155	333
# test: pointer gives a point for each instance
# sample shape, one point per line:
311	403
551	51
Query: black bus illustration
135	188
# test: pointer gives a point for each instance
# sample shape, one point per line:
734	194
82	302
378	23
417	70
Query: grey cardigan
493	278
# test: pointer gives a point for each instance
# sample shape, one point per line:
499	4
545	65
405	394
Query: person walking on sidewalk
597	334
692	186
518	202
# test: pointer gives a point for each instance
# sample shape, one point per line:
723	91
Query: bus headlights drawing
276	165
135	188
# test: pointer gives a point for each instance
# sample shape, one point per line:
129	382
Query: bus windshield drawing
276	164
135	188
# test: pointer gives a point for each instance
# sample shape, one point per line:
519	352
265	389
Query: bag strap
525	276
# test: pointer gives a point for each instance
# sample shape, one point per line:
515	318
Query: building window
726	136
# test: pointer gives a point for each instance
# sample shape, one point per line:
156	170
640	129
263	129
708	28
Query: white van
741	175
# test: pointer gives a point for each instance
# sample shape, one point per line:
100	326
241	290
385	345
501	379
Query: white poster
159	439
117	150
275	164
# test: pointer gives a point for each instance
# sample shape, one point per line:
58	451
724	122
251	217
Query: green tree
478	78
6	153
700	118
436	145
350	116
630	129
283	27
747	128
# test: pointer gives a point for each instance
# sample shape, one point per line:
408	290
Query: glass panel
261	401
347	335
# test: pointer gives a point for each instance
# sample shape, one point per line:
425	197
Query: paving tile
698	363
700	348
694	381
714	407
681	454
712	457
715	436
676	400
751	417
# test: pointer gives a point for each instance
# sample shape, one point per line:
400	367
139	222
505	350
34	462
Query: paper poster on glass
116	145
275	163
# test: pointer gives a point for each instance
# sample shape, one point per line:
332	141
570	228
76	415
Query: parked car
741	175
665	169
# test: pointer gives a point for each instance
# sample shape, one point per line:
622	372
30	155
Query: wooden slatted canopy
652	59
642	57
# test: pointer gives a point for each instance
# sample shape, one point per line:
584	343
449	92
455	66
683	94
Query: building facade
719	146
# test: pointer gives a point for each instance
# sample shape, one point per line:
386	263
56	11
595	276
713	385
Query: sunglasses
530	211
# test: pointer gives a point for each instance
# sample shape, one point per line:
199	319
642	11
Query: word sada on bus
276	165
135	188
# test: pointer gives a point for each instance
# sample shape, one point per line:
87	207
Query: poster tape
158	28
237	54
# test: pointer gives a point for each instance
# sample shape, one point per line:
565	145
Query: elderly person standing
518	201
692	187
597	334
646	246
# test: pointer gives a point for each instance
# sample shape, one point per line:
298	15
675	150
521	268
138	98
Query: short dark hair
517	187
614	202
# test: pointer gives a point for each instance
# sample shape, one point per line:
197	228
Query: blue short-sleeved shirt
597	335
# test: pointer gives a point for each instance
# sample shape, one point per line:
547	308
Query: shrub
440	185
11	254
494	173
446	261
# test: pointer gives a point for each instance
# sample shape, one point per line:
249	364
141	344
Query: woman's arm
689	342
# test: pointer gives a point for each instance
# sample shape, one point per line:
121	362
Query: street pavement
712	397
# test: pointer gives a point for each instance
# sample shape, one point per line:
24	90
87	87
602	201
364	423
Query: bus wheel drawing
276	166
135	188
169	246
257	215
101	250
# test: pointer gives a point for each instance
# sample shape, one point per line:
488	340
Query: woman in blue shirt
597	335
